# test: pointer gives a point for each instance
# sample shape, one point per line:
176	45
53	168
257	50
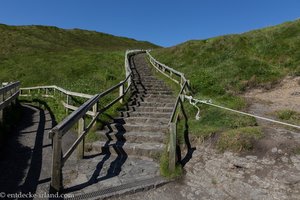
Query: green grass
37	39
241	139
297	151
223	68
289	116
52	104
77	60
164	167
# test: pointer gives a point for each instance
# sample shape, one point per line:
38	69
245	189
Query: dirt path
271	171
284	96
265	103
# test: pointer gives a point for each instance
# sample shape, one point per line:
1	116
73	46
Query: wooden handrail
78	116
178	100
184	83
184	88
64	91
8	94
71	119
164	68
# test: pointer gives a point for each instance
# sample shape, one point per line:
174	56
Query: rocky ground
270	171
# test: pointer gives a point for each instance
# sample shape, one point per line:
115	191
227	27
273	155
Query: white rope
194	101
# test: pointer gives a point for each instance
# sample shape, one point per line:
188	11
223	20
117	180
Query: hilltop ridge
75	59
37	38
233	63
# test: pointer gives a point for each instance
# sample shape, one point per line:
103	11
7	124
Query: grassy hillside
233	63
79	60
224	67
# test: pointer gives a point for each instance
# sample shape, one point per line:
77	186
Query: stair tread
144	145
154	133
142	125
147	112
149	107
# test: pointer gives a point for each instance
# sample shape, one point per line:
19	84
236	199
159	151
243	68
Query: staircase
142	125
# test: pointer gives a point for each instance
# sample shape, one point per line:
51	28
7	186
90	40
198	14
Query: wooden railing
180	79
8	94
79	117
171	73
52	91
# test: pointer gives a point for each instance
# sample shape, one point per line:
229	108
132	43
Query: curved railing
52	90
180	79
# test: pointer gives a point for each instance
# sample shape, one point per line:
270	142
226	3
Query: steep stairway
141	127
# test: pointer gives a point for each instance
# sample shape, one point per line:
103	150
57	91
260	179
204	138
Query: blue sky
163	22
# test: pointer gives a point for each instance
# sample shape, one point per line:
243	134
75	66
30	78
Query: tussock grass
289	116
239	139
164	167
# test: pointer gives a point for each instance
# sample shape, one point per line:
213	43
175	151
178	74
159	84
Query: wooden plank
76	94
9	87
172	147
121	93
1	111
78	140
56	172
70	120
70	107
80	147
9	100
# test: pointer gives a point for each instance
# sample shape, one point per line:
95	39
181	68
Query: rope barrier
194	101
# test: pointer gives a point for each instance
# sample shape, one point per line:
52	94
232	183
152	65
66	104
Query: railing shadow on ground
33	174
190	150
115	166
21	155
14	157
32	180
135	90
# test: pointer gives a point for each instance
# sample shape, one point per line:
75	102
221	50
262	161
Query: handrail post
13	91
95	109
121	93
81	128
172	147
56	174
186	89
67	103
1	111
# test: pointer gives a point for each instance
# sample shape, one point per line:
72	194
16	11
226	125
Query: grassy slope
221	68
231	63
79	60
